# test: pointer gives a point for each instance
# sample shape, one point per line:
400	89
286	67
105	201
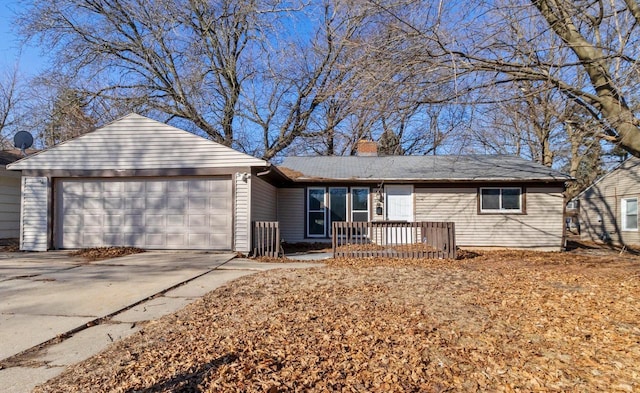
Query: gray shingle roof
419	168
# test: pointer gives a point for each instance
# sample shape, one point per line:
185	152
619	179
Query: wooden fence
266	239
394	239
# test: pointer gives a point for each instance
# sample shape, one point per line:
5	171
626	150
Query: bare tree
11	107
593	42
184	59
67	118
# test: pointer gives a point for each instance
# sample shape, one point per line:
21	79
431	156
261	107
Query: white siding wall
263	200
291	214
9	204
242	208
600	205
137	142
34	231
541	227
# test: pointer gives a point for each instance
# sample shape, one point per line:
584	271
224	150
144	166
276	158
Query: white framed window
316	212
359	204
501	200
324	205
629	214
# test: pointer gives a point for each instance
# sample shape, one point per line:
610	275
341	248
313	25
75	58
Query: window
326	205
316	216
337	205
501	200
630	214
359	204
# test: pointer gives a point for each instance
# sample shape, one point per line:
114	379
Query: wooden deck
394	239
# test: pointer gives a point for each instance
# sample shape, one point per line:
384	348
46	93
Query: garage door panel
72	220
198	186
155	221
218	238
112	239
91	187
114	221
176	221
177	187
91	239
113	202
176	240
133	203
175	203
92	220
112	187
134	187
159	213
92	202
197	239
198	203
156	186
134	221
155	239
73	203
198	221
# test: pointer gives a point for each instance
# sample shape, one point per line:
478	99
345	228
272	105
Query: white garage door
180	213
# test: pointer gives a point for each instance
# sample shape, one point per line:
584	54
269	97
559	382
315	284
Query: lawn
502	321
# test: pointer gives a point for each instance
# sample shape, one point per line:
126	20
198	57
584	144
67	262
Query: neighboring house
501	201
143	183
9	196
608	209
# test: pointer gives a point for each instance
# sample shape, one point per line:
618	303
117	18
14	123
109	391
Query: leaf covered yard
502	321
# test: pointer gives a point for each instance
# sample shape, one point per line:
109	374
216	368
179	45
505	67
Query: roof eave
435	180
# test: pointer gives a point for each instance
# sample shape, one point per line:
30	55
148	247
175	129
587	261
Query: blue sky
30	59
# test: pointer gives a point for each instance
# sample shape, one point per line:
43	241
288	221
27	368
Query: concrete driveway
46	294
56	310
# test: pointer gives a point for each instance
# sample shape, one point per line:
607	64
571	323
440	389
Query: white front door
399	203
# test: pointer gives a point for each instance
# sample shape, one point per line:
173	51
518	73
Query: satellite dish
23	140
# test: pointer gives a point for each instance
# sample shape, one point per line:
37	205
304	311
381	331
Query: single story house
143	183
608	209
494	201
9	196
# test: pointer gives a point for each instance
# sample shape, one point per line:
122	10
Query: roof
13	155
419	168
136	142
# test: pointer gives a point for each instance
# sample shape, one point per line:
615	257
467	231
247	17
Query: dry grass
499	321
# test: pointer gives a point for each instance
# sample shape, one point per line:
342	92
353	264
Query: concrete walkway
55	311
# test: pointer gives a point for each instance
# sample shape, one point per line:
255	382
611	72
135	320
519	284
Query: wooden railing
394	239
266	239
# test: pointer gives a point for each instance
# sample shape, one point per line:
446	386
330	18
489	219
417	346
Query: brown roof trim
160	172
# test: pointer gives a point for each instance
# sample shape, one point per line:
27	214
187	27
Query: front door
399	207
399	203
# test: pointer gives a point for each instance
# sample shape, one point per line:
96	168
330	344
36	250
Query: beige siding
291	214
137	142
263	200
242	209
600	205
34	230
541	226
9	204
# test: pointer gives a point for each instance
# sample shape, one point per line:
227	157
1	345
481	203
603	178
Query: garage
152	213
138	182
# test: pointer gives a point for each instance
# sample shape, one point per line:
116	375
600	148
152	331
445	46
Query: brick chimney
367	148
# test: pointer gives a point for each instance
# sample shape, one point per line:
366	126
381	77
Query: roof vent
367	148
